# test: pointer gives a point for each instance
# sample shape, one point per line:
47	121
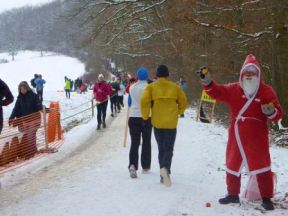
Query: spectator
6	98
67	87
26	116
39	82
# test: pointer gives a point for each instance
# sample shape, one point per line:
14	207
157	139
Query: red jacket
101	91
248	141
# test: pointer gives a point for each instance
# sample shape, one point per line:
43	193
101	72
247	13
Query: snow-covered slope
12	4
53	68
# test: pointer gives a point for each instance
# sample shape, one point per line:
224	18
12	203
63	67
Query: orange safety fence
25	139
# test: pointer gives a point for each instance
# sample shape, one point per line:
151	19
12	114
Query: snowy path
94	179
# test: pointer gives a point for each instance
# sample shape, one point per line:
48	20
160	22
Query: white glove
268	109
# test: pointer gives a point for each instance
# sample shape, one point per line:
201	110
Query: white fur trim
274	115
251	64
255	172
236	130
259	171
233	172
209	89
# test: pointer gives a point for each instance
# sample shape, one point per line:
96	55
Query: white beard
250	85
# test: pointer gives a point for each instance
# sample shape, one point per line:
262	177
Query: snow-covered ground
89	175
94	180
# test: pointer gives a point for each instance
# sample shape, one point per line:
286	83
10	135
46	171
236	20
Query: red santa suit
248	140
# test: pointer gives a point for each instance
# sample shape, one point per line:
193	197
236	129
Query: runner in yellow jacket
166	101
169	101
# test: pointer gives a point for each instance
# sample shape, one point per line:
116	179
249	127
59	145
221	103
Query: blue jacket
39	83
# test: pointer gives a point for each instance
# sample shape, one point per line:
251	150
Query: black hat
162	71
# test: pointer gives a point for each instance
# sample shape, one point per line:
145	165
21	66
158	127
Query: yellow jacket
67	85
166	100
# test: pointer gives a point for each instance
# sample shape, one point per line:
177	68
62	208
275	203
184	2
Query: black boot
267	204
161	179
229	199
98	127
104	124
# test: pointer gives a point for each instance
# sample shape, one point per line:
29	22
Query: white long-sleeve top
135	94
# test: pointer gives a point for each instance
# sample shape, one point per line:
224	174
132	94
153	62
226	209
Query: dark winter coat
115	88
26	104
6	98
32	82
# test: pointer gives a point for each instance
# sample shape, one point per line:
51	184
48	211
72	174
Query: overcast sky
10	4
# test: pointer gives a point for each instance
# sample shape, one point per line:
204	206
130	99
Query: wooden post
126	128
45	127
92	103
198	111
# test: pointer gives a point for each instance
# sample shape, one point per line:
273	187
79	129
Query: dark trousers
40	94
67	93
27	147
101	112
120	102
165	139
113	103
264	180
139	128
1	119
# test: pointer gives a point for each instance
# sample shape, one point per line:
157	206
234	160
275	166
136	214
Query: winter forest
186	33
102	67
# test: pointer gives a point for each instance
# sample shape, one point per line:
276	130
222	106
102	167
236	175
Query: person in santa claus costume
252	103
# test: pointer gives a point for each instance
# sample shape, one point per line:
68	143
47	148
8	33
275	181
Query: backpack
32	82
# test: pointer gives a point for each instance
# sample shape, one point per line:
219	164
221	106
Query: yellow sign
209	105
205	97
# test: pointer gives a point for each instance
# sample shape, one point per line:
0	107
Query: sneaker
166	177
229	199
133	171
104	124
98	127
145	171
267	204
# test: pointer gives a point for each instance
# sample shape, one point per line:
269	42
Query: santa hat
250	64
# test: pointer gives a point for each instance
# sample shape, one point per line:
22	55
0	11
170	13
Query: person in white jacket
138	127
